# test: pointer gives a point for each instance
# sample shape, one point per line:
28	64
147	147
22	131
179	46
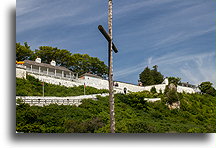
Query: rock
172	86
174	105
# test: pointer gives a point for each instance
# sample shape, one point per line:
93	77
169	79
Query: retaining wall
55	80
98	83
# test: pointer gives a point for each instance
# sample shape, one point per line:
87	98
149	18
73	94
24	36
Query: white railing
52	76
72	100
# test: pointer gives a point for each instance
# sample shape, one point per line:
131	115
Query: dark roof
46	65
188	84
91	75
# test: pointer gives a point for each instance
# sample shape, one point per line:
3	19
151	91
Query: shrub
153	90
172	96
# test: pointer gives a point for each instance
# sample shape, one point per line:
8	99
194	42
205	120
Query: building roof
91	75
188	84
46	65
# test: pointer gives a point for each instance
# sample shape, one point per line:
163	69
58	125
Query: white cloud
31	14
25	7
131	6
202	69
168	30
150	61
195	68
129	71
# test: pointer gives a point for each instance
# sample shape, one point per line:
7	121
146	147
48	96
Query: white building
48	69
59	75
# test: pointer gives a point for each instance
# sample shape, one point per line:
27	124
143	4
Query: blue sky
176	35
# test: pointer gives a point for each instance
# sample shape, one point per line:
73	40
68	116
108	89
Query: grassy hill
33	87
132	114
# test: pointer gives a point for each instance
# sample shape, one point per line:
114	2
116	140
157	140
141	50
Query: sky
176	35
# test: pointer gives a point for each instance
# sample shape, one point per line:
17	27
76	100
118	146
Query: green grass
33	87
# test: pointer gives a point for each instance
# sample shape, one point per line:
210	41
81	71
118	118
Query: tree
146	77
151	77
79	63
172	96
84	64
48	53
158	77
206	87
23	52
174	80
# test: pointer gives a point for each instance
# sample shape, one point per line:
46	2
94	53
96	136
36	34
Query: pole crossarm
103	31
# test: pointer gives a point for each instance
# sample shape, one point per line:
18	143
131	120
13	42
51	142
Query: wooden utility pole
111	47
110	59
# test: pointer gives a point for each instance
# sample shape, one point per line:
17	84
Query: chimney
38	60
53	63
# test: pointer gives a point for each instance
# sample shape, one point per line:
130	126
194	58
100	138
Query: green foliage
146	78
206	87
23	52
84	64
158	77
33	87
174	80
79	63
171	96
48	53
132	114
153	90
151	77
89	126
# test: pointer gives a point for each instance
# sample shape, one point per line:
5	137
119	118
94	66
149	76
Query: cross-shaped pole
111	46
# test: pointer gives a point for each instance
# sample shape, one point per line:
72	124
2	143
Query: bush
197	114
153	90
172	96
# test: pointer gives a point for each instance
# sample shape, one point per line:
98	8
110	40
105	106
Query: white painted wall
182	89
98	83
56	81
20	71
94	82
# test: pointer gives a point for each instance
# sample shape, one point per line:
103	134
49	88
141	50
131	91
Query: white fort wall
103	84
55	80
158	87
98	83
182	89
20	71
